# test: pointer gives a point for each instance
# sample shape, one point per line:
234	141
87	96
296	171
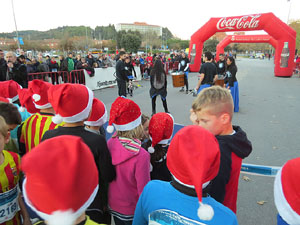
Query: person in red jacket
213	110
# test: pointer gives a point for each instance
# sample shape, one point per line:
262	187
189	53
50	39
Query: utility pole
13	8
86	36
290	1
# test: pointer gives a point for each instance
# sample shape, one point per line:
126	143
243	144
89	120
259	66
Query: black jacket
230	75
121	71
3	70
238	144
98	147
19	74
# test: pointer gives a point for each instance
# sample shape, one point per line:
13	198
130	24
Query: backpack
161	84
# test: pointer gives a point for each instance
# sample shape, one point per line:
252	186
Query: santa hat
193	160
125	115
39	91
71	102
2	99
26	101
287	191
98	115
161	127
9	89
60	184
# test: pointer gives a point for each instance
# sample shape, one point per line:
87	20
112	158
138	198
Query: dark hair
122	53
10	113
159	152
208	55
232	60
158	69
21	57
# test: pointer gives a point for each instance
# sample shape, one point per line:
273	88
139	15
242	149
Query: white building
141	27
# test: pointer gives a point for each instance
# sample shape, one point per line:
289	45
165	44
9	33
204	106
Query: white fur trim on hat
151	150
13	99
205	212
190	186
55	216
283	207
83	114
129	126
57	119
99	122
36	97
46	106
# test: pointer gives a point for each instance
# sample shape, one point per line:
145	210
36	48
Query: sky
183	18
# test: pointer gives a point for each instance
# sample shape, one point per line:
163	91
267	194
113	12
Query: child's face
146	129
207	120
3	141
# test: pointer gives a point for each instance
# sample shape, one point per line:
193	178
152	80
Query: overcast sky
183	17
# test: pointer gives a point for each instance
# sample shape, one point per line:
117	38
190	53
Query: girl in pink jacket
131	161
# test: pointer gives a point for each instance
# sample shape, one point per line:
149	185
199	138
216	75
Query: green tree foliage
131	42
296	26
106	32
210	45
178	44
166	33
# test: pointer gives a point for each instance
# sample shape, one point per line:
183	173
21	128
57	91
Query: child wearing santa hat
97	118
132	162
287	193
9	90
72	104
161	127
33	128
60	189
193	160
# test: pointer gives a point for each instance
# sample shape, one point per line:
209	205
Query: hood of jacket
237	143
119	153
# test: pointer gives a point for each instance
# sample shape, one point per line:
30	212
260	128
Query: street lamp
13	8
290	1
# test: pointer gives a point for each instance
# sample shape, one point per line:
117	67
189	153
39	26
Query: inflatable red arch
244	39
284	36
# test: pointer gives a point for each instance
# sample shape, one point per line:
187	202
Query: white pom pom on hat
151	150
110	129
57	119
22	109
62	218
36	97
205	212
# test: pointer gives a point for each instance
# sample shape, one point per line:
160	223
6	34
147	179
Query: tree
131	42
66	43
210	45
296	26
166	33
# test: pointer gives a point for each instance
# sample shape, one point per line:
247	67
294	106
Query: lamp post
290	1
13	8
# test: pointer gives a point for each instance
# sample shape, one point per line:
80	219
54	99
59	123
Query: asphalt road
269	108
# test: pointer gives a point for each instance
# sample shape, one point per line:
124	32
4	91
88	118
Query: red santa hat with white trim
9	89
71	102
39	90
98	115
125	115
2	99
25	97
193	160
60	184
161	127
287	191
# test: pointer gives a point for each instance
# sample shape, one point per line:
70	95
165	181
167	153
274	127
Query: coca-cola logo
244	22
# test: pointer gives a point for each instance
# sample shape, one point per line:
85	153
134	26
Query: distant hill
100	32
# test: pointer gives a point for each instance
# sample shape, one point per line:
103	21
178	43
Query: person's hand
228	87
10	65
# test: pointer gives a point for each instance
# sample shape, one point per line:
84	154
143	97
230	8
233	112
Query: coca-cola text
244	22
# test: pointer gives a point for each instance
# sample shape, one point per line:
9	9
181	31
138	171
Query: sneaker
186	91
182	89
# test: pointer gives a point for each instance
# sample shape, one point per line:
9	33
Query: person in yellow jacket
61	180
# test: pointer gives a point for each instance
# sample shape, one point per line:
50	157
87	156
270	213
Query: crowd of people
56	166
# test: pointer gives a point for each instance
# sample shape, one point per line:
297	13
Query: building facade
141	27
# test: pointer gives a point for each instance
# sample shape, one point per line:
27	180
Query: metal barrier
52	77
77	76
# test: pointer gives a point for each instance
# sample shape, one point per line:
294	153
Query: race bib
9	205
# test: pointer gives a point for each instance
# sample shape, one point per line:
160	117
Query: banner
104	77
